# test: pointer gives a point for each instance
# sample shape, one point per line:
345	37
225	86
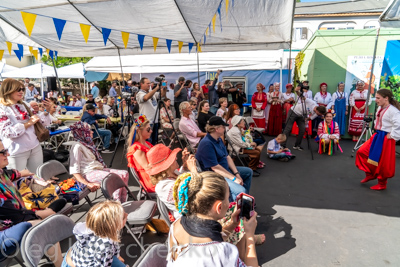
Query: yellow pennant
199	47
180	44
155	42
30	49
207	31
1	54
29	21
35	54
85	31
48	51
213	22
226	6
9	47
125	38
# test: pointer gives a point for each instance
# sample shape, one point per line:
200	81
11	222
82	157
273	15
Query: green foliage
393	84
298	62
64	61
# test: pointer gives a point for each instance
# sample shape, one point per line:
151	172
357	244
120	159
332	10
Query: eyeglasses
148	129
4	152
21	89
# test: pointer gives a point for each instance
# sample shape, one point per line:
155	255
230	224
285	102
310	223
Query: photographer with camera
212	94
304	110
180	95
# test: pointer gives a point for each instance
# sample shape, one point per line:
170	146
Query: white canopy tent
249	60
248	25
5	68
390	18
76	71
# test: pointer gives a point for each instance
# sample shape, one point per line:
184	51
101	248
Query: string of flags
29	20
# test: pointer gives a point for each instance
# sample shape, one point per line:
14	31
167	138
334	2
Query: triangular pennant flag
198	48
106	32
40	51
18	54
51	55
213	22
190	47
140	39
204	42
155	42
56	54
35	54
30	49
207	31
169	42
209	27
219	15
85	31
21	50
1	54
125	38
29	21
9	47
226	7
59	24
48	52
180	44
233	3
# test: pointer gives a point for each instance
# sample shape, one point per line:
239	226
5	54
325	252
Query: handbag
36	194
41	132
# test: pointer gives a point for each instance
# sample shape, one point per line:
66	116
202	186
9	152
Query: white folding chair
249	121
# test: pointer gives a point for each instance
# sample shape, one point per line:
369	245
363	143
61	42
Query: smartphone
164	84
246	205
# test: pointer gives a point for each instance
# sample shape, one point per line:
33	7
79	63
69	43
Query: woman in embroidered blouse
357	104
259	102
275	112
340	103
288	101
198	236
138	147
16	128
322	98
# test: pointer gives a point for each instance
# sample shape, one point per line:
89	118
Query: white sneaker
106	151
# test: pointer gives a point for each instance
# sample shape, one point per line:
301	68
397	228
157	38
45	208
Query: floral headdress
332	112
138	122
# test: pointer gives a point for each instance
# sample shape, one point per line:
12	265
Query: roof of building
355	7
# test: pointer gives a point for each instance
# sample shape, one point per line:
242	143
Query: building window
300	34
369	27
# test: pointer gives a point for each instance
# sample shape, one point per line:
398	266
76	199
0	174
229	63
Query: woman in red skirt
288	100
357	106
259	101
377	156
275	112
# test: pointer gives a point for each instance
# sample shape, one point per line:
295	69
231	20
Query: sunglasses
4	152
148	129
21	89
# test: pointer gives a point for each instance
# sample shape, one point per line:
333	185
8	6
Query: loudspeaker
51	84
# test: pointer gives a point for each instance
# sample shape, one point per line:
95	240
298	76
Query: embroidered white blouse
323	100
357	95
286	97
389	121
13	134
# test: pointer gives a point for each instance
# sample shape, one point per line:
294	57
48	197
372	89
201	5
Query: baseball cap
216	121
98	99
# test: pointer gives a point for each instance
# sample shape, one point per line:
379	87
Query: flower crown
140	120
332	112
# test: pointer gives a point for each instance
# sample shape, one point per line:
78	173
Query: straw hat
160	158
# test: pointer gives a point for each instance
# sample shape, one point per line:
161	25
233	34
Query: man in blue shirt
95	90
91	118
31	93
213	156
128	88
113	92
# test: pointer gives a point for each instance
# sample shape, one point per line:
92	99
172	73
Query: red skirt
356	119
386	166
275	120
260	123
295	129
285	111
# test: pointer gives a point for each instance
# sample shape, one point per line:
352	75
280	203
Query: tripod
366	130
304	113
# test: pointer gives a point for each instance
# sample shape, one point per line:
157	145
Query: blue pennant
140	39
21	50
51	54
59	24
219	14
40	51
56	54
169	45
18	54
106	32
205	38
190	47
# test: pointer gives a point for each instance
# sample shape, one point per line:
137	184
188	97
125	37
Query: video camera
367	118
52	127
302	87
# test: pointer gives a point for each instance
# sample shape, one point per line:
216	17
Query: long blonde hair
105	219
7	88
138	133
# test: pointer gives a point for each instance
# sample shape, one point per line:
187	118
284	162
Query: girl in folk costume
322	98
377	156
270	90
259	102
340	102
275	112
328	134
357	103
288	101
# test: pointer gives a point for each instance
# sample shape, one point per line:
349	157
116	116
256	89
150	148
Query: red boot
381	185
367	178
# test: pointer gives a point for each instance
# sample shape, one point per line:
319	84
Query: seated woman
328	134
167	118
87	165
49	118
204	115
197	236
138	147
15	219
241	144
233	110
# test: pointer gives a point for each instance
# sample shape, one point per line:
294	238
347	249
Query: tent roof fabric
33	71
72	71
246	60
390	18
338	7
248	25
5	68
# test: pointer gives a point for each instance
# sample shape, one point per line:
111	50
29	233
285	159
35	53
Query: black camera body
52	127
368	119
159	79
302	87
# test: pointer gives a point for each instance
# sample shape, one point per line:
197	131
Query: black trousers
290	120
176	105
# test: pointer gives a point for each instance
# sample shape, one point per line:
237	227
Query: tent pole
291	40
58	80
281	72
122	72
198	68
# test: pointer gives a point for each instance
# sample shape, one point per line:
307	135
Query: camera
52	127
368	119
302	87
159	79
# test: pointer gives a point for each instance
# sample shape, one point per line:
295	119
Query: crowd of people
202	194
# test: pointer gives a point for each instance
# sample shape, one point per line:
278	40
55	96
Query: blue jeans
116	262
241	111
105	135
281	156
234	188
10	239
